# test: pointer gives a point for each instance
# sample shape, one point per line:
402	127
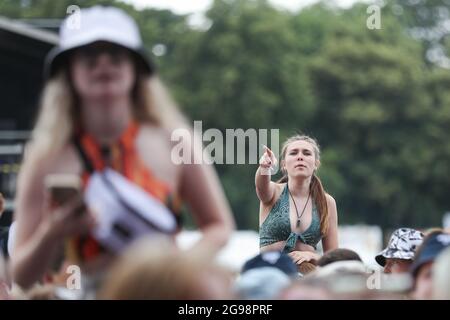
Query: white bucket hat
97	24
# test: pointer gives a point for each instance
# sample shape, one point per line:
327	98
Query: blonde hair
317	191
59	113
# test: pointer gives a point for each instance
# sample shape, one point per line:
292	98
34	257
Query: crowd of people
413	266
106	119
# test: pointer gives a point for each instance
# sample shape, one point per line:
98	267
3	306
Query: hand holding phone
67	215
62	188
66	212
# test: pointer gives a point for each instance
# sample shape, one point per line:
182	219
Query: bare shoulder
155	147
330	200
158	131
151	136
331	203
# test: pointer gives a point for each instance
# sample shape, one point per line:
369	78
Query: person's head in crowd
345	284
422	268
274	259
261	283
398	256
429	231
265	276
308	288
340	268
352	279
356	284
155	269
441	276
306	268
339	254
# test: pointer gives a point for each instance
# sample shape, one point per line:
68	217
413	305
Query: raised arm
33	246
265	189
39	230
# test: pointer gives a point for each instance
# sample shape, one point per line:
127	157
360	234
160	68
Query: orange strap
124	158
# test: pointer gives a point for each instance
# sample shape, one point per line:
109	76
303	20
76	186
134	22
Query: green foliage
380	111
426	21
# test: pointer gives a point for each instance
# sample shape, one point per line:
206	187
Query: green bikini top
277	226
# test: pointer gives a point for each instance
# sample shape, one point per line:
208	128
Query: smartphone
62	187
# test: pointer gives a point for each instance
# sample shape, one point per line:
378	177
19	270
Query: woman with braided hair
295	212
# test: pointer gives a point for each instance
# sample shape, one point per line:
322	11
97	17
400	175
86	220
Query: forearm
30	261
216	235
262	181
301	256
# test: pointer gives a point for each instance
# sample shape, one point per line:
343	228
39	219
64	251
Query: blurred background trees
378	101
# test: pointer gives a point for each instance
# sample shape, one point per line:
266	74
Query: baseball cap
402	245
97	23
275	259
432	246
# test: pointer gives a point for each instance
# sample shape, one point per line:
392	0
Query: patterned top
277	226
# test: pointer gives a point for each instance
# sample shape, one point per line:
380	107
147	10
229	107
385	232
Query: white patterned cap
402	245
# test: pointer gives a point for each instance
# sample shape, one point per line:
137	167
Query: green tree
426	21
378	107
376	111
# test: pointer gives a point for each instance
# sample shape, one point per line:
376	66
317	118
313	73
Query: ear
282	166
317	164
